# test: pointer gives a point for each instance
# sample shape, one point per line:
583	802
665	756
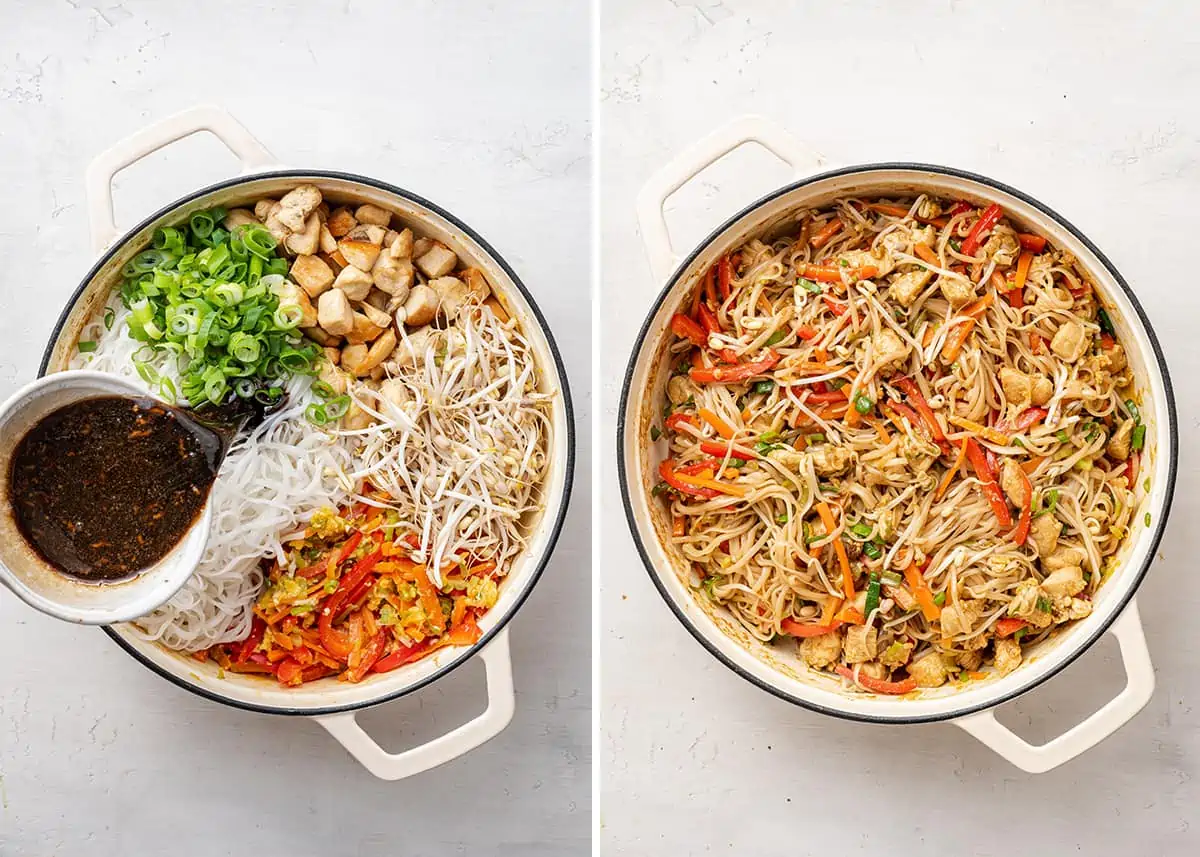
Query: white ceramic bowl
29	576
331	702
779	669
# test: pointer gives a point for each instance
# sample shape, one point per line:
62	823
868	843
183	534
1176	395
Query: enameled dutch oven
332	703
782	672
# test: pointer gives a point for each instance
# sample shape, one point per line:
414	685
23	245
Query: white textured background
1086	105
481	107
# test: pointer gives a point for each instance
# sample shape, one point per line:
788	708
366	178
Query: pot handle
1139	687
207	117
701	154
497	661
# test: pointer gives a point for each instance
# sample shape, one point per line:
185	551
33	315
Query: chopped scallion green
939	599
1139	437
87	346
655	433
808	286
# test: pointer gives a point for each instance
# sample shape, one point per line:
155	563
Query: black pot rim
569	428
1155	536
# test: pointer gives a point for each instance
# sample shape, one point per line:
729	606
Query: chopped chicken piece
360	254
420	308
1002	247
372	214
1069	341
890	349
296	205
319	336
879	259
1043	532
830	460
903	597
454	294
368	232
412	348
1063	581
1118	444
306	241
291	294
860	644
354	282
393	390
1043	389
325	240
340	222
275	226
1062	557
874	669
905	287
393	275
822	650
401	247
313	275
263	208
236	217
969	660
957	290
364	330
929	670
437	262
1012	480
333	355
1030	604
896	654
1008	655
333	376
334	313
961	616
354	358
380	350
378	317
1116	357
1017	387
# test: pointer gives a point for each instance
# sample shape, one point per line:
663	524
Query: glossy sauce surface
105	487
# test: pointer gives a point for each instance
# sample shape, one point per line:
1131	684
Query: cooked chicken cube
453	294
957	290
334	313
263	209
971	660
879	259
1062	557
313	275
354	282
1029	603
354	358
381	349
889	349
1043	532
1116	357
1069	341
896	654
333	355
1017	387
1008	655
420	308
437	262
372	214
368	232
961	617
873	669
860	644
297	204
401	247
1072	609
393	275
905	599
821	651
360	254
340	222
290	294
905	287
1118	444
307	240
1014	482
393	390
333	376
830	460
1002	247
929	670
275	226
378	317
1063	581
421	246
364	330
319	336
1043	389
325	241
411	349
236	217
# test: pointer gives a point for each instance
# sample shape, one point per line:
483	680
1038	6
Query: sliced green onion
1105	322
781	518
776	337
259	241
201	224
891	578
1147	519
655	433
872	550
939	599
289	316
808	286
323	391
1062	436
814	439
872	594
109	317
1139	437
861	529
337	407
316	414
243	388
765	386
87	346
1133	410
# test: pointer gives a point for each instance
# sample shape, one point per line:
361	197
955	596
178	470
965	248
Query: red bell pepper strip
1025	419
910	389
878	685
348	547
910	415
667	471
806	332
833	306
257	629
677	419
465	633
720	449
824	398
987	478
369	656
1033	243
336	642
289	671
1022	531
804	629
724	276
708	321
990	217
685	328
960	207
402	655
1131	470
1010	625
734	374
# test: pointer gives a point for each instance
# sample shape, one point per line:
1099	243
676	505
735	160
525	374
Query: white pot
782	672
332	703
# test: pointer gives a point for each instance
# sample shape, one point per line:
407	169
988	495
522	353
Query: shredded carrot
888	209
958	463
1023	263
746	415
1032	464
955	341
851	615
821	354
853	417
930	332
981	430
927	255
922	592
880	429
722	428
832	605
700	480
976	674
826	234
678	526
840	549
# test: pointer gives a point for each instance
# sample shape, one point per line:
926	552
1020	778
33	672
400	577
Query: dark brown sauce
105	487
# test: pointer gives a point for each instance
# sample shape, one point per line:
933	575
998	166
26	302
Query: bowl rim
555	527
1154	536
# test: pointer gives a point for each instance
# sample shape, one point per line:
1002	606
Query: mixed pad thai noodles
372	516
902	433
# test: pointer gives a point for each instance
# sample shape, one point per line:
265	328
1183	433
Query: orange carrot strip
826	234
722	428
927	255
958	463
922	592
840	549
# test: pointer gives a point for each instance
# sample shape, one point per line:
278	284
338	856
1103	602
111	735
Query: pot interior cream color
327	693
779	667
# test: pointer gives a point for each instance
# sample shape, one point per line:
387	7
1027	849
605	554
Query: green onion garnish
939	599
814	439
109	317
861	529
655	434
872	550
1133	410
891	578
87	346
781	519
808	286
765	386
872	594
776	337
1105	322
863	404
1062	436
1139	437
1147	519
